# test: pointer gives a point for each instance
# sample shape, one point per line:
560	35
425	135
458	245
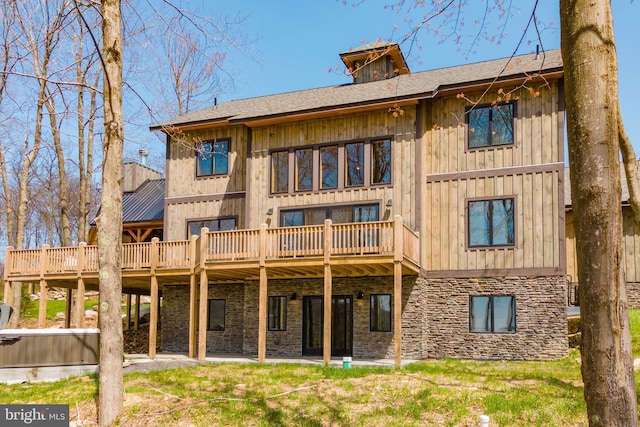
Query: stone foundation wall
541	319
633	294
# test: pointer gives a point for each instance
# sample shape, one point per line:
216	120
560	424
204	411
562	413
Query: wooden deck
383	248
357	249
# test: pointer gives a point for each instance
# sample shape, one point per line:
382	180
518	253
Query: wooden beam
193	298
80	303
68	302
262	296
397	313
153	317
262	316
42	312
202	316
136	318
128	314
328	291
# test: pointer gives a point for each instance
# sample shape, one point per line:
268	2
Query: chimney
143	156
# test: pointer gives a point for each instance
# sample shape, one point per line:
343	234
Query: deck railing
286	242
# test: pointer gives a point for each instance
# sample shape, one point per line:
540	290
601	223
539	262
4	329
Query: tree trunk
110	220
588	51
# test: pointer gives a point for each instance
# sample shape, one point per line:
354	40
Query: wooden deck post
193	294
8	295
397	289
328	292
204	294
262	297
80	303
82	260
42	312
155	303
136	318
68	303
128	314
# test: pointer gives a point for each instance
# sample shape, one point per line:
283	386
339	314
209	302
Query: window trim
492	314
468	245
316	184
371	327
467	111
210	301
213	170
284	321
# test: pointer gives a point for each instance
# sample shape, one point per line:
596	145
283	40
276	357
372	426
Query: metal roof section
407	87
144	204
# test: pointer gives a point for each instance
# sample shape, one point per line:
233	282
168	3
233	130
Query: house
405	215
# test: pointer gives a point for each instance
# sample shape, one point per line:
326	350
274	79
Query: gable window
490	222
380	313
280	172
354	154
490	125
381	162
216	315
491	313
277	312
338	214
304	169
212	158
218	224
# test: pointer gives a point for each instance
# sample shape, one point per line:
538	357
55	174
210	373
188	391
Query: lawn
430	393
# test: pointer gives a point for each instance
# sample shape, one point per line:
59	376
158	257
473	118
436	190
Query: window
354	154
491	222
381	162
277	312
490	125
380	317
492	314
280	172
213	158
338	214
216	315
304	169
218	224
329	167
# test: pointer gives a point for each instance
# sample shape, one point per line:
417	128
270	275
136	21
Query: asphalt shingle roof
417	85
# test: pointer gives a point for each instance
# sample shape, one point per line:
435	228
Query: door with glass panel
341	325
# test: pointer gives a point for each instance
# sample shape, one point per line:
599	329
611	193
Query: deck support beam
397	290
155	301
80	304
136	318
204	295
127	326
328	292
262	296
193	298
68	305
42	312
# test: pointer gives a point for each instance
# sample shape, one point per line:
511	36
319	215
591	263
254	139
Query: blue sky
297	42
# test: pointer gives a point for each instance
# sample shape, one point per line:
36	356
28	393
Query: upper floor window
216	224
279	171
212	158
326	167
490	222
490	125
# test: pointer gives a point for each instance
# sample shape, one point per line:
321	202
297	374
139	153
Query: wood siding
530	171
630	241
354	127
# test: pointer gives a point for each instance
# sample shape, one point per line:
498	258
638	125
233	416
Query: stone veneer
633	294
435	318
541	319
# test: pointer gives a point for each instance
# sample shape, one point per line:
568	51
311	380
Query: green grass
439	393
54	307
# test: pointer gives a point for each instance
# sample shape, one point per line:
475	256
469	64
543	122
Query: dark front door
341	325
